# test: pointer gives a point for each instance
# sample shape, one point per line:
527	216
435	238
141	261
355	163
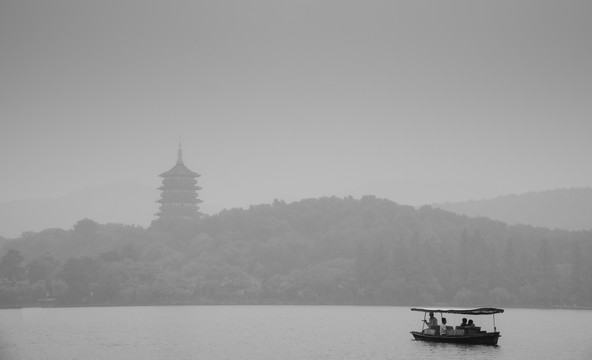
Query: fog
414	101
319	128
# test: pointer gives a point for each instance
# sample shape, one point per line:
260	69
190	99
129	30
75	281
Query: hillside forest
366	251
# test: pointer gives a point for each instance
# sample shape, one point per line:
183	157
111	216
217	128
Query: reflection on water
440	350
273	332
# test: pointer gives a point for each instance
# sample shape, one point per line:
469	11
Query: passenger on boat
470	324
432	320
443	327
464	323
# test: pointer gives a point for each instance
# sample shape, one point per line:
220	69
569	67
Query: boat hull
473	339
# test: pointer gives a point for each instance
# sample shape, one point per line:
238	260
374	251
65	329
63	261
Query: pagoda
179	192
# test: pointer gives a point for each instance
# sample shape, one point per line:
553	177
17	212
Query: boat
459	334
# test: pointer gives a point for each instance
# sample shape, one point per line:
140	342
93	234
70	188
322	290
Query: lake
277	332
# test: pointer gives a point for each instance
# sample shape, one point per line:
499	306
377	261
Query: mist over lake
270	179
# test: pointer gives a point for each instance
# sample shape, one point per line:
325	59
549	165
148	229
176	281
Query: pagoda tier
179	199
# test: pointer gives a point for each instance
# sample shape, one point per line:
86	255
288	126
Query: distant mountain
569	209
126	202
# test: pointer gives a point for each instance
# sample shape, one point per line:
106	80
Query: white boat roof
475	311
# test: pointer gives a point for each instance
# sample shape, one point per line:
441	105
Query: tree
41	269
546	274
512	277
576	278
79	274
86	227
11	266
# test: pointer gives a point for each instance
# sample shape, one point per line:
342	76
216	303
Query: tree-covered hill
314	251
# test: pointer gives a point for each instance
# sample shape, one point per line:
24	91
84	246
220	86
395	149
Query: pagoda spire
180	153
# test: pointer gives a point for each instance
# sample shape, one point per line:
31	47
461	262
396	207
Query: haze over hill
134	204
126	202
569	209
129	203
415	101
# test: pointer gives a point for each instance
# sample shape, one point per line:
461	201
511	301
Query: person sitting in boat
471	324
432	320
464	323
443	327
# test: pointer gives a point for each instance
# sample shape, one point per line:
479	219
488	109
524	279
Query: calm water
276	332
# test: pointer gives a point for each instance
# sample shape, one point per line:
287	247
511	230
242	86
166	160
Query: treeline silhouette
317	251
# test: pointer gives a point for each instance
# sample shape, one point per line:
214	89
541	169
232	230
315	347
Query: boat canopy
478	311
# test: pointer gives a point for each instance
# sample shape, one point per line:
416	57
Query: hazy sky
416	101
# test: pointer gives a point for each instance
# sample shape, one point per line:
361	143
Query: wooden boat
460	335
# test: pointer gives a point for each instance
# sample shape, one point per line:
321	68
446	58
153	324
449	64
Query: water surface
276	332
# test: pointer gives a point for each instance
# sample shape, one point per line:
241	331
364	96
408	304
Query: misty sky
415	101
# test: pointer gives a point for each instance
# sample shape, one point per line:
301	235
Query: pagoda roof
179	170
